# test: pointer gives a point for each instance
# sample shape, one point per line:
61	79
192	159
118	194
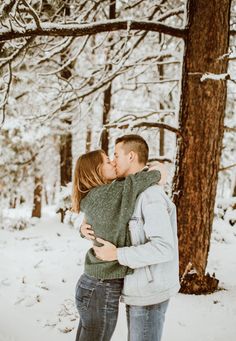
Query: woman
108	206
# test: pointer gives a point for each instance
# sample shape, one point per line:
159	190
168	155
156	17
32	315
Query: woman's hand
161	167
87	231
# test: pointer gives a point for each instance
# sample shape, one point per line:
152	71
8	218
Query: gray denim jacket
154	254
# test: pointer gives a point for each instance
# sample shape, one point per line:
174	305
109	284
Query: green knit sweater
108	209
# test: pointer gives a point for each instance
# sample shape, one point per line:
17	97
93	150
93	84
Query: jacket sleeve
159	247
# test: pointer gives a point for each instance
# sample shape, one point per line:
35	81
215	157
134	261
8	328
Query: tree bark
202	127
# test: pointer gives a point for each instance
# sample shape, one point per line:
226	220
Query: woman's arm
155	165
135	184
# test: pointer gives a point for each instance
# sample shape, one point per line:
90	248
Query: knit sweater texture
108	209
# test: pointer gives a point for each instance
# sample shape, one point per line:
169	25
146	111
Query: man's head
131	154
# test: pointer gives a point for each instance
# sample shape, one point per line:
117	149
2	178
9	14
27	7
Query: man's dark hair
137	144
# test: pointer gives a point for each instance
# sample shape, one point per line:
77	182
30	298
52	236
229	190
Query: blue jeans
146	323
98	303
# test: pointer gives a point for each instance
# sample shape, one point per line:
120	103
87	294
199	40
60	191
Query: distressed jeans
146	323
98	303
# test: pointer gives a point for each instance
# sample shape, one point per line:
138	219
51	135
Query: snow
41	264
214	76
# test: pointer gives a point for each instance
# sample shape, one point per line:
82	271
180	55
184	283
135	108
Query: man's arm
158	230
86	230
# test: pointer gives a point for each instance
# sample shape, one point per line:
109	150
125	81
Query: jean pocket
83	296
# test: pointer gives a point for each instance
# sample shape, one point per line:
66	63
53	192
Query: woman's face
108	168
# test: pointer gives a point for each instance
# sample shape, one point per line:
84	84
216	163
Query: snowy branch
214	76
78	30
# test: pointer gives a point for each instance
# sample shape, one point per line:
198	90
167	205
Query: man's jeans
146	323
97	302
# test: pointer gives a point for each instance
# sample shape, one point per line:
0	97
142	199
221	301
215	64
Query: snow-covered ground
39	267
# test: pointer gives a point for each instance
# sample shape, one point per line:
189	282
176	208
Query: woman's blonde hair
87	175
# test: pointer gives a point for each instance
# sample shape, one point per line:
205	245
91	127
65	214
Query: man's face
121	160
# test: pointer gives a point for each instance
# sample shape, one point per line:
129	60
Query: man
154	251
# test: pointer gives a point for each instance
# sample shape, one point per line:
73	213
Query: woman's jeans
97	302
146	323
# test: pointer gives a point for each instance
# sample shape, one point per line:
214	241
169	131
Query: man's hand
87	232
107	252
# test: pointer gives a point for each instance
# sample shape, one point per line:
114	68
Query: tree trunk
160	69
234	190
162	137
88	139
37	206
201	124
108	91
66	139
66	158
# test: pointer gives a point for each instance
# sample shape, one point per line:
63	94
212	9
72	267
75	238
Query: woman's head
92	169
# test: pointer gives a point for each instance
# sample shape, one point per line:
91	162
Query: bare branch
33	13
23	163
147	125
228	167
154	82
230	129
69	61
6	8
54	50
4	102
134	117
16	53
170	13
160	160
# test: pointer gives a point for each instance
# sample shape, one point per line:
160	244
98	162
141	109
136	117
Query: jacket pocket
148	274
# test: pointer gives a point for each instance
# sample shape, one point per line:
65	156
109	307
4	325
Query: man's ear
132	156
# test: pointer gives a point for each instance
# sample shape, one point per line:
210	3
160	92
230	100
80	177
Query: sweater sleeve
134	185
113	204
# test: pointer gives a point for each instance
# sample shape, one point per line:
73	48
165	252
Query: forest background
77	74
